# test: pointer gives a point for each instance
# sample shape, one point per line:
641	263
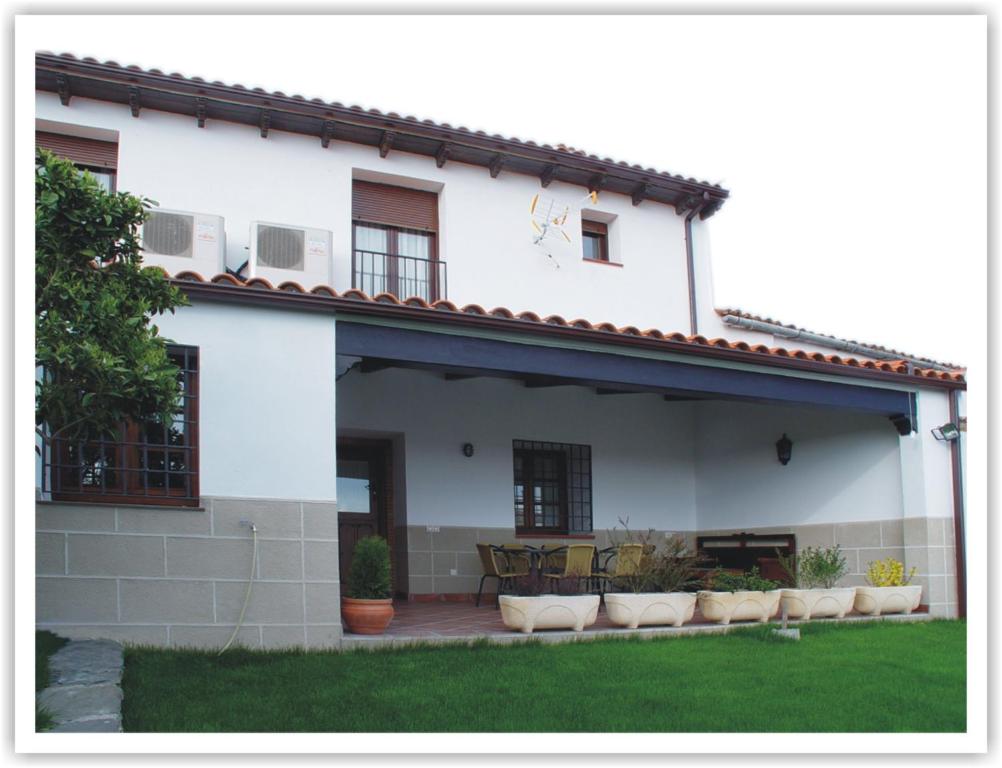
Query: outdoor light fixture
467	449
784	449
947	432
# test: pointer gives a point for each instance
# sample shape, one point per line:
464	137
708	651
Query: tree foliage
102	359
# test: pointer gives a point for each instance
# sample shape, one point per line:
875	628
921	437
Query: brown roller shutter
595	227
394	206
89	152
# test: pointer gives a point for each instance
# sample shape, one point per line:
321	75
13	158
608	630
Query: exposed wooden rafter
549	172
597	182
134	105
201	109
442	154
497	163
63	89
265	122
326	133
640	193
373	365
386	143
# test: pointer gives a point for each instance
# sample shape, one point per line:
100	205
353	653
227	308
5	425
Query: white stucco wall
229	170
266	399
844	468
926	470
641	452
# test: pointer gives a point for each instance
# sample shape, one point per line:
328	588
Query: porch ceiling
456	356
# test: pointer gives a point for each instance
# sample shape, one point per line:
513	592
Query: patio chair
626	559
505	573
578	559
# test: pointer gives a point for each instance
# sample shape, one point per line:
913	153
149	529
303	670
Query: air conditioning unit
181	241
279	252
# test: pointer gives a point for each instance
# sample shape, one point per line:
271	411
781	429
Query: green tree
101	358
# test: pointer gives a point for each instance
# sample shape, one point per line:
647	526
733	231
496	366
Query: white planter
525	614
626	609
874	601
725	607
817	603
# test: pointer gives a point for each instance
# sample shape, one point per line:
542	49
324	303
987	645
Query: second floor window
153	462
396	242
595	236
99	158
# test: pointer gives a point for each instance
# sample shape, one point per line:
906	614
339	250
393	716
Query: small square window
595	238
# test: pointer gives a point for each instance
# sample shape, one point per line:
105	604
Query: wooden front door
361	495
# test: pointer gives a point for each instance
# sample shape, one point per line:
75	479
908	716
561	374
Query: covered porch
433	423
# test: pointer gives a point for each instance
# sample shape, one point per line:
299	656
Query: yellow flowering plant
888	573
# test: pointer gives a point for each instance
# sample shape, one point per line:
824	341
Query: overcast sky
854	147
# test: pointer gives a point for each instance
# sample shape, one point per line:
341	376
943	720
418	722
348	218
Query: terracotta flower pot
366	617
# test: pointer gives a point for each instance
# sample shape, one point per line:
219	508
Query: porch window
552	487
148	463
396	242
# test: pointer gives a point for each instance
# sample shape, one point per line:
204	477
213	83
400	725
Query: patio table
535	555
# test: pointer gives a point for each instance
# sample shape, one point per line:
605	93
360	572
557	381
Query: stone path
85	693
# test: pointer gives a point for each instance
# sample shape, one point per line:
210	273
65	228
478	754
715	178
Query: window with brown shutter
595	239
395	241
98	157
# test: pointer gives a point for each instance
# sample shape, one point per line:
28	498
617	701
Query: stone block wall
170	576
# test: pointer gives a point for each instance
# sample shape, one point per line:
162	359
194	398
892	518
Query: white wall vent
280	252
181	241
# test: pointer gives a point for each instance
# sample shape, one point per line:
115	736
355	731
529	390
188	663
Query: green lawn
865	677
46	644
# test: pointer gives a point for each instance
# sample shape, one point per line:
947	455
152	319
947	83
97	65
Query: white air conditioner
181	241
279	252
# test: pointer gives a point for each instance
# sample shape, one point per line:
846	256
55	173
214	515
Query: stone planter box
630	610
525	614
725	607
874	601
817	603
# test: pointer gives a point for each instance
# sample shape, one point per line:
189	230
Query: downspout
840	345
958	509
689	261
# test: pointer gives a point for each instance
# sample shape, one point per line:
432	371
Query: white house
375	343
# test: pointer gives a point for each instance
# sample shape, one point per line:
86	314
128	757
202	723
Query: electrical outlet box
432	529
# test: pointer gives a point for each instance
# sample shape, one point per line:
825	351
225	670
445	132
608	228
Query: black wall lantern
784	449
467	449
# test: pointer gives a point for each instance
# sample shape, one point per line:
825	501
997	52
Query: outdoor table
535	555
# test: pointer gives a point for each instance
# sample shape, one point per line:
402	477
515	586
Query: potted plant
890	591
366	606
814	574
655	592
739	597
530	608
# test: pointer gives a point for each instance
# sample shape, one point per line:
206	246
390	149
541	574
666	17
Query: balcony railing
403	276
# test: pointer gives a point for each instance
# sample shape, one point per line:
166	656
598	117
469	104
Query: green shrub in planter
722	581
815	567
369	576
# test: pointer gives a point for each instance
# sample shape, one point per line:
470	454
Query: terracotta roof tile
443	305
764	319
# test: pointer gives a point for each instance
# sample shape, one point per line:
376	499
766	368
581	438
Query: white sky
854	147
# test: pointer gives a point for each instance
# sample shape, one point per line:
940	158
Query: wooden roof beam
386	143
496	164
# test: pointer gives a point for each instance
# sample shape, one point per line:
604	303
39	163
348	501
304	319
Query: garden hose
250	581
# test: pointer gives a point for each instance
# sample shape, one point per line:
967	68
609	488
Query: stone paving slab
85	694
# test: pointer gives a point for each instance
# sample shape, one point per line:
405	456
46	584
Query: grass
46	644
877	677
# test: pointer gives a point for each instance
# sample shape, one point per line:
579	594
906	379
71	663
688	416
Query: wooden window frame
596	230
571	482
392	249
130	450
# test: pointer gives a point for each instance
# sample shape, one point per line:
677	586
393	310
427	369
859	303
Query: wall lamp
467	449
947	432
784	449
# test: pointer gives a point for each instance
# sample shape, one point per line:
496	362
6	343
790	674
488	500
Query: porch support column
927	507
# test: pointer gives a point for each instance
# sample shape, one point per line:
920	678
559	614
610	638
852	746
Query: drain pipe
958	508
840	345
689	261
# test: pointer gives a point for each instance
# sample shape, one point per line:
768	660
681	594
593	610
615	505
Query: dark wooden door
361	496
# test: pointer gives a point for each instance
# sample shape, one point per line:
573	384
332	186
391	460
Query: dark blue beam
507	358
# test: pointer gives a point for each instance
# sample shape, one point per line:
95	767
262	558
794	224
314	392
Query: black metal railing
403	276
